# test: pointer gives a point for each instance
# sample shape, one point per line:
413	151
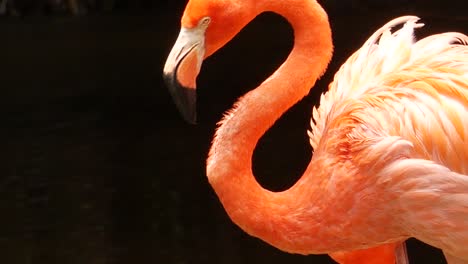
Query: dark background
96	164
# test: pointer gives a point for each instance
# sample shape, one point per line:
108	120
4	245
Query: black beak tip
184	98
190	116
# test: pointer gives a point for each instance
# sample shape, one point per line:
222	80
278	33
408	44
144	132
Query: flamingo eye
204	22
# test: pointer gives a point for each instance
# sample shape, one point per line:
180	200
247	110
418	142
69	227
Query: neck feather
277	218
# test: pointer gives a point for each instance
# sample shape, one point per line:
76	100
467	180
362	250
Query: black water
97	165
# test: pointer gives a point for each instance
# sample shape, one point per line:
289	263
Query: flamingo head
206	26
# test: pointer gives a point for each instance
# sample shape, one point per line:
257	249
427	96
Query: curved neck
273	217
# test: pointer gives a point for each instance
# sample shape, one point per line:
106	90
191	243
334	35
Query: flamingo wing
415	94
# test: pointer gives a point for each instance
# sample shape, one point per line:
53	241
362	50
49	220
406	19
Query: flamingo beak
181	70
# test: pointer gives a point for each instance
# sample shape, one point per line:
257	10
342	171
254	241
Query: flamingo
390	136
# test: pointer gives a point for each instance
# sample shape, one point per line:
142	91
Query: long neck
273	217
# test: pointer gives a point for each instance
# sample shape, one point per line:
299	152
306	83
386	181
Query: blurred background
97	166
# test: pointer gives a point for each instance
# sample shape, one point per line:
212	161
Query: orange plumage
390	137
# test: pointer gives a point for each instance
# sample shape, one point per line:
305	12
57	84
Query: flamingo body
390	137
